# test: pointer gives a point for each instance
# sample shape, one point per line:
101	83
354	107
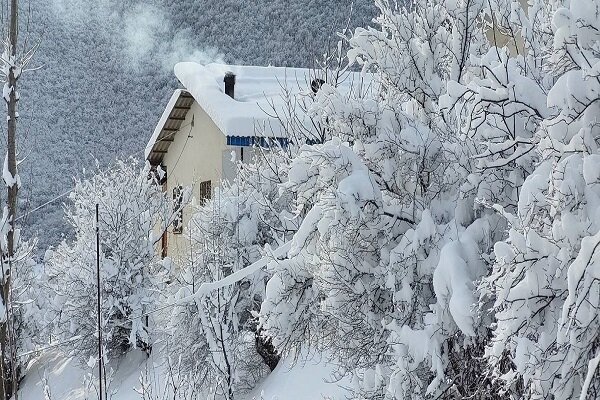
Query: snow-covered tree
502	102
133	213
23	310
383	268
15	59
547	338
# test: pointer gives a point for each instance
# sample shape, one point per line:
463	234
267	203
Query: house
221	115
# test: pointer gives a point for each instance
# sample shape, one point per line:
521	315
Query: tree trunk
12	126
8	364
266	350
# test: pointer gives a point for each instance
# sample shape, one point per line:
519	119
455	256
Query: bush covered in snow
545	278
133	212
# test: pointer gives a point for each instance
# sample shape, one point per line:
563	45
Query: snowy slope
64	379
304	380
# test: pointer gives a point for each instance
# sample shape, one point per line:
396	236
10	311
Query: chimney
229	84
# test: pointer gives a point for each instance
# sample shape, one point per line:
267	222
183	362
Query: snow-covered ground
304	380
62	378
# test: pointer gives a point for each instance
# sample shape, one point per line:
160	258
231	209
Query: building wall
244	154
515	45
196	155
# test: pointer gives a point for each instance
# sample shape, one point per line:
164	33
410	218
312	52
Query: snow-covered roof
257	91
258	98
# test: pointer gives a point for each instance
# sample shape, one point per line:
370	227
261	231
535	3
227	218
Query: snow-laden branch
592	366
229	280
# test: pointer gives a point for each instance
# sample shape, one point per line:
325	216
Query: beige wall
246	154
515	45
195	155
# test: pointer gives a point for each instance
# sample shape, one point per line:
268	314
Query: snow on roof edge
161	122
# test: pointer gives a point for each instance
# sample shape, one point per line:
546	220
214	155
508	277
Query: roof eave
169	124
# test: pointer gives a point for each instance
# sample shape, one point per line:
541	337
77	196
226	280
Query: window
205	192
177	202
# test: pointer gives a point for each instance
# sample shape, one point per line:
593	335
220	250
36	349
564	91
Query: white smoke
144	31
182	48
150	38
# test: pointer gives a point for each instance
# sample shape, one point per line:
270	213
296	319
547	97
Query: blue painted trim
251	141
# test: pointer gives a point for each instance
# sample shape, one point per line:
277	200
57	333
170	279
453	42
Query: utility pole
100	359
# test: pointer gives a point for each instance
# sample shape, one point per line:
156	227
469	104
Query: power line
60	196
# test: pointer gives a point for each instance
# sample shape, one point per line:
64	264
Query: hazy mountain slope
107	72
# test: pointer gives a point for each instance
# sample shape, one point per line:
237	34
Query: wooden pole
98	281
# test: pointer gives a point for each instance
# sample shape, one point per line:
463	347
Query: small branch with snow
209	287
